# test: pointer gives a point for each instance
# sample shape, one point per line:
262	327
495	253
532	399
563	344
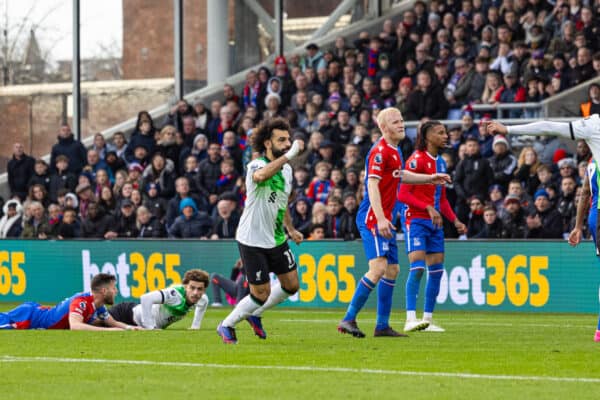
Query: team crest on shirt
413	164
378	158
82	305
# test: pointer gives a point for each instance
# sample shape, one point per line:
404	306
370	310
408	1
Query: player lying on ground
80	312
161	308
587	129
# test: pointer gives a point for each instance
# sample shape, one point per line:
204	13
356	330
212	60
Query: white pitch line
14	359
334	321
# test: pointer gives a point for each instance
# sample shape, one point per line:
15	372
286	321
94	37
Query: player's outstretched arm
110	321
425	179
539	128
582	209
199	312
76	324
147	301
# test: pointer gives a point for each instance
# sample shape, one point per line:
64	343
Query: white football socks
277	296
242	310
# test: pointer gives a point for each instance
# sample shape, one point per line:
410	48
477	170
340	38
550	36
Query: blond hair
382	117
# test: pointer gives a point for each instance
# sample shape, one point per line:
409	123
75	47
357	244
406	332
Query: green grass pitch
481	356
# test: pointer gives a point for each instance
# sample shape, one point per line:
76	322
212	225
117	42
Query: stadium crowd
183	177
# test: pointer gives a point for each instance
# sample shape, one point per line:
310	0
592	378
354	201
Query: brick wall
106	107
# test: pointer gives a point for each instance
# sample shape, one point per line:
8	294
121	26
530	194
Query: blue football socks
432	289
385	290
412	284
364	288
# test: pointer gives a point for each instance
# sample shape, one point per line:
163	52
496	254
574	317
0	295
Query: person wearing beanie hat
545	222
503	162
191	223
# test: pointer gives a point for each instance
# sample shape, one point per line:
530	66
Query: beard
278	153
109	300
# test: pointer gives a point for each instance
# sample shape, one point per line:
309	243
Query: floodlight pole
76	71
178	47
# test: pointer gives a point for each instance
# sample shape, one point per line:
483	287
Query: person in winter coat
148	225
20	170
493	228
503	163
37	226
162	172
191	223
124	222
11	222
427	100
72	148
97	223
545	222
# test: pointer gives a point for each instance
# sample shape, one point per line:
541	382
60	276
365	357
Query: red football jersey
384	161
418	197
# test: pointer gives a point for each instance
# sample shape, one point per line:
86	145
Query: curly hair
422	136
264	132
196	275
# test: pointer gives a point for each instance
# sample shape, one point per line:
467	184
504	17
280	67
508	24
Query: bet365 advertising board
543	276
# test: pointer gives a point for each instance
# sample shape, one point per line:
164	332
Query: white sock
427	316
277	296
242	310
411	315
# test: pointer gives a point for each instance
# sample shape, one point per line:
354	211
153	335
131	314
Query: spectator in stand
85	198
36	227
493	228
119	144
227	220
592	106
567	167
566	202
459	86
512	92
493	88
11	223
473	177
37	192
124	222
426	100
142	136
69	227
107	200
545	222
300	211
321	185
347	227
20	170
475	222
317	232
228	179
514	220
97	223
182	189
584	69
167	143
101	146
209	172
41	175
231	150
191	224
583	152
154	203
61	178
147	225
162	172
176	115
503	163
102	181
54	220
335	210
69	146
527	167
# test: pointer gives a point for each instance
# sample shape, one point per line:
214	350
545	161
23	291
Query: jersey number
272	197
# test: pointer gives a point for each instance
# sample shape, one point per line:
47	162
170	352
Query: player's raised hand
386	228
296	149
440	179
494	128
575	237
296	236
460	227
436	218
